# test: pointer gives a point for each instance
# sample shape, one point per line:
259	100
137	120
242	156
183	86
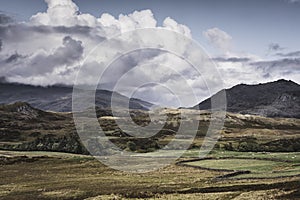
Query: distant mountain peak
280	81
280	98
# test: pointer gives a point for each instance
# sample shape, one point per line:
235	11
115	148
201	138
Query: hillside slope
275	99
23	127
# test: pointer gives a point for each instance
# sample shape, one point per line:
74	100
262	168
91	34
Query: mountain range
274	99
59	98
28	126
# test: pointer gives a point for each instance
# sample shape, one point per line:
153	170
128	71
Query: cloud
253	70
5	19
42	62
219	38
61	13
274	47
288	68
171	24
287	64
66	13
293	1
169	73
13	58
237	68
232	59
290	54
45	30
48	48
256	70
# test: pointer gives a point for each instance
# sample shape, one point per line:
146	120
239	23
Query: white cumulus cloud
219	38
49	48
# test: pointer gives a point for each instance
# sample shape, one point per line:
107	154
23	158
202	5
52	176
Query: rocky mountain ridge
274	99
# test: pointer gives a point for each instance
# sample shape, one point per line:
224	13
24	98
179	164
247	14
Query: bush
131	146
249	146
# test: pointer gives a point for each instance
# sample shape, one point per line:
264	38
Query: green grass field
258	168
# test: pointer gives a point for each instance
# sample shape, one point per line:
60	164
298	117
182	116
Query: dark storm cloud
232	59
290	54
22	32
69	53
1	44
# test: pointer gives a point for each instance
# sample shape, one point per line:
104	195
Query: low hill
23	127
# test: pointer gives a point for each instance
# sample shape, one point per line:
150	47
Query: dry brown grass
79	177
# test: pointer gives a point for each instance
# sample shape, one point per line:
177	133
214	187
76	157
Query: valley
42	154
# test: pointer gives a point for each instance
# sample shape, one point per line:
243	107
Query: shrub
249	146
131	146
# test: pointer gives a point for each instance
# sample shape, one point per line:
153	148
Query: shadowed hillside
59	98
275	99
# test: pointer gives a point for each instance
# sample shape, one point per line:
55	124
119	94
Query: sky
41	42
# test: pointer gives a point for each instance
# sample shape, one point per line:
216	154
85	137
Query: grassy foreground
42	175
